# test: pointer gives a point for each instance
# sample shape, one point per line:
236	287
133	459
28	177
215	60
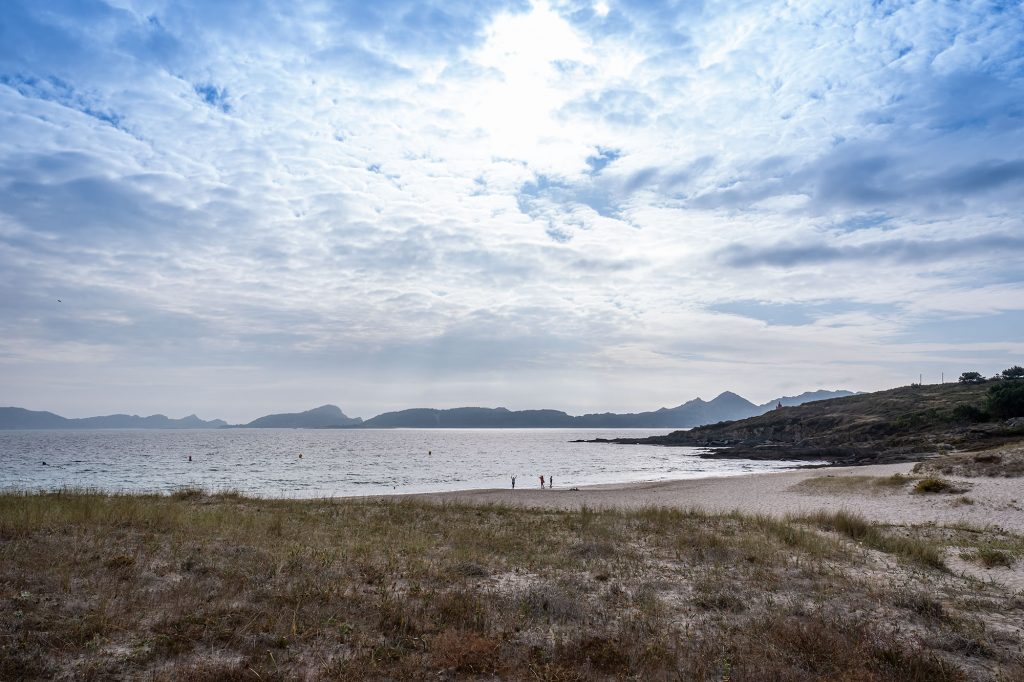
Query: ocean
267	462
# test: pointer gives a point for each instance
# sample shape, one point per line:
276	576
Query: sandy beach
992	501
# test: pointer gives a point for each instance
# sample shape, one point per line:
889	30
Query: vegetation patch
969	414
912	549
204	587
1005	399
1005	461
852	484
933	484
989	557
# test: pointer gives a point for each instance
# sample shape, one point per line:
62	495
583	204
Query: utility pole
920	379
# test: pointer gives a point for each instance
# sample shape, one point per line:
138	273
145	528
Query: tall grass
918	551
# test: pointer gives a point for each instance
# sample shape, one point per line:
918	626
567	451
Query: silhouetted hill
726	406
325	416
805	397
470	418
695	412
20	418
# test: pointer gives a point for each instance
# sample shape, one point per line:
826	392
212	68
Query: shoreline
991	501
806	489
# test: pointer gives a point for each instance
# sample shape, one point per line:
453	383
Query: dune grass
934	484
990	557
194	586
916	550
853	484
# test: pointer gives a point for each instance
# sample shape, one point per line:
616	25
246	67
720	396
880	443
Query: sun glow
516	107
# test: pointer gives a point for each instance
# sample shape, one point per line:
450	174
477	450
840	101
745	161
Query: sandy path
997	501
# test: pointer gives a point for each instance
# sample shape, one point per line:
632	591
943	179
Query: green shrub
1006	400
932	485
969	414
971	378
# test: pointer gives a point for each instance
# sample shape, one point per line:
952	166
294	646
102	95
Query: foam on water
343	462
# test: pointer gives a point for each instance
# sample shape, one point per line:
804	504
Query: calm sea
266	462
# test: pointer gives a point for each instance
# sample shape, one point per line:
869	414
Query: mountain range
725	407
19	418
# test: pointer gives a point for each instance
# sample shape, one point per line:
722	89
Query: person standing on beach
513	482
551	482
542	482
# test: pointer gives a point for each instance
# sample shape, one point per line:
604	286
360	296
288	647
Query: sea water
343	462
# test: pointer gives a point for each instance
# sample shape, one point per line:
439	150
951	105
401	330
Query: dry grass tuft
989	557
933	484
920	551
853	484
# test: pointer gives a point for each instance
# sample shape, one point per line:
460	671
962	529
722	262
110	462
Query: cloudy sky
266	205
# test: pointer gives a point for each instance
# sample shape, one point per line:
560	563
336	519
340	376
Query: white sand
997	501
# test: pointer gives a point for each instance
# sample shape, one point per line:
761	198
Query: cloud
620	106
411	26
611	204
53	89
858	179
893	250
356	60
89	208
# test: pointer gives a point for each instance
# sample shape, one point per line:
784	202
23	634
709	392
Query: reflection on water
343	462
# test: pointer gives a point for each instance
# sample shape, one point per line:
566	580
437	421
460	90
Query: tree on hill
971	378
1015	372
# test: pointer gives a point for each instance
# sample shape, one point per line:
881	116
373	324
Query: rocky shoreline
901	425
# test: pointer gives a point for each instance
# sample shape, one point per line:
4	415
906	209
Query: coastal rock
898	425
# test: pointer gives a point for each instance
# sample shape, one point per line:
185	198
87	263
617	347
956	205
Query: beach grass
853	484
198	586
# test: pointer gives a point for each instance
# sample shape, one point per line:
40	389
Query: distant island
696	412
323	417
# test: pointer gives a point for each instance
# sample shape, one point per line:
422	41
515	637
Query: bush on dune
1005	400
969	414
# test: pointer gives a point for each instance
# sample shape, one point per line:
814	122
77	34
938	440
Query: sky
233	209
